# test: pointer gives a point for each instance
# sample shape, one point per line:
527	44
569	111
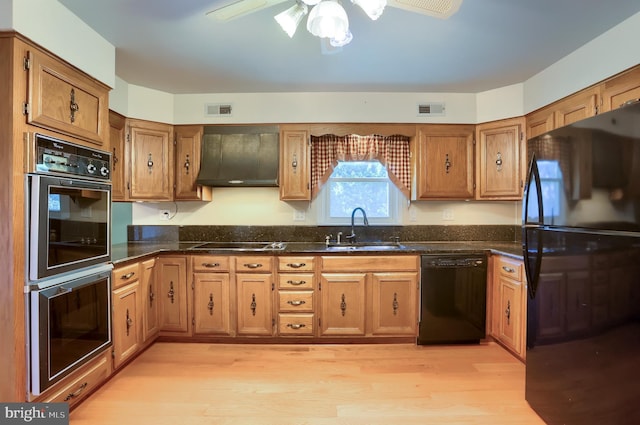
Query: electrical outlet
413	215
165	214
447	215
299	215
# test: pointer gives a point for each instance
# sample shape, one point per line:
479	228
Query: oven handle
68	286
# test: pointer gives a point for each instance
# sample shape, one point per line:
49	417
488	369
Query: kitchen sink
241	246
366	246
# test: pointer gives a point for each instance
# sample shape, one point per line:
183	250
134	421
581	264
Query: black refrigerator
581	245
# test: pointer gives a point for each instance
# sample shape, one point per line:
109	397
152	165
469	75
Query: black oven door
70	324
70	222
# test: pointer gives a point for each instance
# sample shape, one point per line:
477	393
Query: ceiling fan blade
240	8
442	9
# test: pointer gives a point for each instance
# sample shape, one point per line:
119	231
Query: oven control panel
61	157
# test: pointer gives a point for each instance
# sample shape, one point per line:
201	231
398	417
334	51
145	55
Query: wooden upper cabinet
295	169
500	159
151	161
445	162
576	107
620	89
119	169
540	122
63	99
188	141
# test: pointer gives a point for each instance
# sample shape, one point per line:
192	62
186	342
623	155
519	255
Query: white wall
52	26
6	14
604	56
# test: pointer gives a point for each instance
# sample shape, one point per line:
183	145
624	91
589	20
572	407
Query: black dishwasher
453	298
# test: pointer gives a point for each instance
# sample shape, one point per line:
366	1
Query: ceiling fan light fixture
373	8
328	19
290	18
311	2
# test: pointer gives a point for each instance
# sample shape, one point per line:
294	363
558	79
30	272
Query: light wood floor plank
220	384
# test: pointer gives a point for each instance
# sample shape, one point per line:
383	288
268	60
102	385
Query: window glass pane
357	169
371	195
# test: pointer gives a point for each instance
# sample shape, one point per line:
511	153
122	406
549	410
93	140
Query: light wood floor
174	383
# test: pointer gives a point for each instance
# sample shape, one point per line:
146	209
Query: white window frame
323	205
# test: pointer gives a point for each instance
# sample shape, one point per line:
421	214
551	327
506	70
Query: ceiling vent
431	109
442	9
217	109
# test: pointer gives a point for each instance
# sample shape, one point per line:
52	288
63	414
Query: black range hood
239	156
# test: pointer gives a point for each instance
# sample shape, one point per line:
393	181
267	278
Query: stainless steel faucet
365	221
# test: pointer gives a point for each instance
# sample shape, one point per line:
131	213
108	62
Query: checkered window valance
391	151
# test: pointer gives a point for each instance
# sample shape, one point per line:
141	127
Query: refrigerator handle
532	268
533	177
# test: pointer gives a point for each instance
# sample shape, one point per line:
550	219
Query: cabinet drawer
296	281
257	264
295	301
292	264
511	269
295	324
87	379
124	275
210	263
370	263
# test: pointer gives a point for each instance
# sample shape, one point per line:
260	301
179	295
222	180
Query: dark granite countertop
124	252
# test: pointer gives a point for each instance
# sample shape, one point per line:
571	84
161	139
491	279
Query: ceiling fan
327	18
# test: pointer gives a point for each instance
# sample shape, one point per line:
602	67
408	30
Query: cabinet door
295	170
150	292
63	99
211	304
119	173
151	154
620	89
343	304
501	155
127	323
255	304
540	122
394	309
511	311
576	107
171	273
187	157
445	162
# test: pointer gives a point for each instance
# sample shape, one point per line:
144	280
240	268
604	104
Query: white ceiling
171	46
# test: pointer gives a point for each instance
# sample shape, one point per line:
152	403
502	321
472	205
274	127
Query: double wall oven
69	254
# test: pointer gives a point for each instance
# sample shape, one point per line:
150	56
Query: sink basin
241	246
366	246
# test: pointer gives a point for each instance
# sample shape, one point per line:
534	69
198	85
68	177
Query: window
355	184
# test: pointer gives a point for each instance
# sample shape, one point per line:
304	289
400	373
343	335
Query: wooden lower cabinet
150	290
171	274
127	322
508	314
381	302
343	298
211	304
394	303
296	296
255	288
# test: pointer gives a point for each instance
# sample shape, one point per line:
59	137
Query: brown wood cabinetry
576	107
369	295
394	303
63	99
127	313
508	304
295	168
150	291
151	161
188	142
620	89
255	287
211	295
119	169
500	159
444	168
296	296
171	274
